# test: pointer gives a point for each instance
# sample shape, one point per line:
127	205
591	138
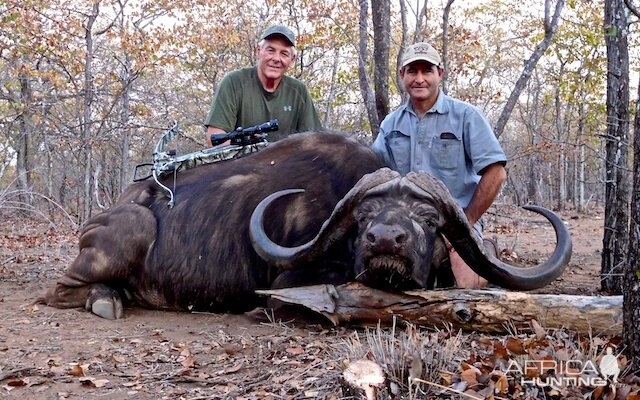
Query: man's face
275	56
422	80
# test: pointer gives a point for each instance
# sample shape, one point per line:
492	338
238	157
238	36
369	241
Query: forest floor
48	353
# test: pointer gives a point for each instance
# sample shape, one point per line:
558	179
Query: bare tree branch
365	83
381	17
445	43
550	29
632	8
419	36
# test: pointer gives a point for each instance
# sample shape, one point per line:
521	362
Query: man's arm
488	187
224	108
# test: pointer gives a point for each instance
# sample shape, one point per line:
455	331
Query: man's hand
210	131
465	277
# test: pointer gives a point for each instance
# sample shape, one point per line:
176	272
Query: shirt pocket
446	151
400	148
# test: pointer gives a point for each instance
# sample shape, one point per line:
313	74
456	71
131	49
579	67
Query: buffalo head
398	222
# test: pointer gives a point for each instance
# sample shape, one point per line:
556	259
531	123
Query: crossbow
226	146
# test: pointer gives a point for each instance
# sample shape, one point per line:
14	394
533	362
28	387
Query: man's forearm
486	192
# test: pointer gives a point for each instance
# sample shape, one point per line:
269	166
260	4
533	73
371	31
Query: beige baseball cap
421	52
280	30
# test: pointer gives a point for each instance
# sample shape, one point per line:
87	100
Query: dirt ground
47	353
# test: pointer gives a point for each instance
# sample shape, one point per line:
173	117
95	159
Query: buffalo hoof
107	308
105	302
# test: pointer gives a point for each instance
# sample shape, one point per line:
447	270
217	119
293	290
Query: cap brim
420	58
283	36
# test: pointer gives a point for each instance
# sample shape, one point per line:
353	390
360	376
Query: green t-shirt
241	101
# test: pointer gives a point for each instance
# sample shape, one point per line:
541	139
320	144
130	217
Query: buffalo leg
110	253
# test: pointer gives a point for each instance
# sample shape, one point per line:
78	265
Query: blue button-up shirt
453	142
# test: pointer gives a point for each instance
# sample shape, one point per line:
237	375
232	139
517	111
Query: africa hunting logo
545	373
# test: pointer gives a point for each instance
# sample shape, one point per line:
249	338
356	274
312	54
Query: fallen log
480	310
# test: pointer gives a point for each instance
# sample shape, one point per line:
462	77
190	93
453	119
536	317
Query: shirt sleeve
225	107
309	120
379	147
482	145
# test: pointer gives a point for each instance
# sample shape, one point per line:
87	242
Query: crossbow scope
245	136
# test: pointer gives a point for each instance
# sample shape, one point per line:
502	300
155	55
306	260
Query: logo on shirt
287	108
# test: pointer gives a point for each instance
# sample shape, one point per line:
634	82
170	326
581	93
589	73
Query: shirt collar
441	106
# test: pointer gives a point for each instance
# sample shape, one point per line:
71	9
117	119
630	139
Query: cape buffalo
325	212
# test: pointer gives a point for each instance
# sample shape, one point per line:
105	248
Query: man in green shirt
252	96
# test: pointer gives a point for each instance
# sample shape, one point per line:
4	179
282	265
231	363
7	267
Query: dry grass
446	364
409	356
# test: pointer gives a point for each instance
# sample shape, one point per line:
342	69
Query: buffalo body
314	208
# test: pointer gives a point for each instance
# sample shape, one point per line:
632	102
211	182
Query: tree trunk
420	28
23	161
50	178
85	126
445	43
531	184
550	29
617	196
365	83
403	45
532	181
381	17
631	307
580	159
561	178
328	119
125	177
490	311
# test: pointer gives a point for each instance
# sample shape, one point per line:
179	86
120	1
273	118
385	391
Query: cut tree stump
480	310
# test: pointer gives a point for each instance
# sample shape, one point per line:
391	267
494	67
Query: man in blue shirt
447	138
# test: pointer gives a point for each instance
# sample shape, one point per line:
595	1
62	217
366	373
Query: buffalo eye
365	211
427	216
425	213
363	215
430	223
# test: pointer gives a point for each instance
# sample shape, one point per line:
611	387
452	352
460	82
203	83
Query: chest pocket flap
447	150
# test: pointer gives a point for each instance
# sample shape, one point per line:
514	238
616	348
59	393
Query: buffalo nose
386	238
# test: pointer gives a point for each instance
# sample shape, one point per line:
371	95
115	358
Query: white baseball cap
421	52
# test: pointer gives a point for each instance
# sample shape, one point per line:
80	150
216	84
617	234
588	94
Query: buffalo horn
469	247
